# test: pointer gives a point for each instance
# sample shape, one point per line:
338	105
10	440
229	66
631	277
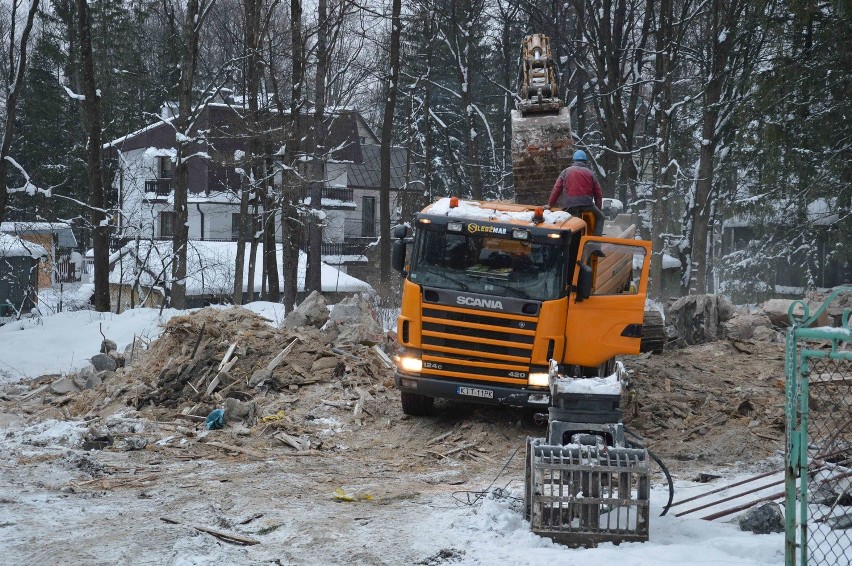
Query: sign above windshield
473	228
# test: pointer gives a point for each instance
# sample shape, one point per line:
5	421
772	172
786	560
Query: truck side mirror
398	255
400	231
584	282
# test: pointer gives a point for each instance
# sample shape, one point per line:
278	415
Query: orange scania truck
498	297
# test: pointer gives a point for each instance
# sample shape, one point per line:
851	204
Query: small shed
19	270
56	238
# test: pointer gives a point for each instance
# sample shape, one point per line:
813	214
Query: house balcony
342	194
160	187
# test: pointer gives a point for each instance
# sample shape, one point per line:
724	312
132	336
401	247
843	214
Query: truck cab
495	292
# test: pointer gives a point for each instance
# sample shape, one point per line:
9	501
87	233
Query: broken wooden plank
198	340
383	357
276	361
227	356
227	537
296	443
233	448
231	538
440	437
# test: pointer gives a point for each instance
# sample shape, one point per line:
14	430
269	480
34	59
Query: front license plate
474	392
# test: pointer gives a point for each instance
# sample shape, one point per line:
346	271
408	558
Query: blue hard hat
580	155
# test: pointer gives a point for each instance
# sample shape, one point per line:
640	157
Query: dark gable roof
367	174
228	129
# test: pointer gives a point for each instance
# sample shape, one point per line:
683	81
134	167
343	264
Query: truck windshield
489	265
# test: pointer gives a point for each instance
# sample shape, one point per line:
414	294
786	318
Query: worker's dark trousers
599	217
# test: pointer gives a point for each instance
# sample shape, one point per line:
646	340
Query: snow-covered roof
210	268
820	212
13	246
473	210
670	262
147	128
331	203
64	233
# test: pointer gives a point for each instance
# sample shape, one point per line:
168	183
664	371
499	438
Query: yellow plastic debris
340	495
272	418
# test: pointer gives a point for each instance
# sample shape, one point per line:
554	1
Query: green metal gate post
797	368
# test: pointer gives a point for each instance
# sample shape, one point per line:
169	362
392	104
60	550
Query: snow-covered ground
408	521
64	342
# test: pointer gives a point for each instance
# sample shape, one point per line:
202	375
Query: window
165	167
616	267
490	264
167	224
235	226
368	217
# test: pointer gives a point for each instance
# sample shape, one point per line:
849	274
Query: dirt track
700	409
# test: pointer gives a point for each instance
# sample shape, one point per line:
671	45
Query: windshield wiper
462	285
507	287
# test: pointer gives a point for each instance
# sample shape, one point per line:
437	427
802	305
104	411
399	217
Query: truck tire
653	333
416	405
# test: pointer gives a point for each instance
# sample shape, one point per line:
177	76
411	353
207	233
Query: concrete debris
777	310
763	519
313	311
698	318
104	362
355	321
64	385
236	410
134	443
744	325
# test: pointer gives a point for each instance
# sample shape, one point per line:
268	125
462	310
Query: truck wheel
416	405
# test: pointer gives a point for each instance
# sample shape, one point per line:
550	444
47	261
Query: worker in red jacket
577	190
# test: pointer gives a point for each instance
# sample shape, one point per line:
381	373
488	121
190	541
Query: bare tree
730	42
196	13
668	38
17	68
387	138
92	119
291	225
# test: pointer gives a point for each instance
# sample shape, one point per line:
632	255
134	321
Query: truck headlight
541	379
410	362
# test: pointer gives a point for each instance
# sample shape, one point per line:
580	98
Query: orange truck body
492	343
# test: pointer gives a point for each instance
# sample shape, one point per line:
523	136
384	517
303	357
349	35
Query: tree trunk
313	275
701	205
385	150
428	143
252	259
183	126
97	200
291	226
662	100
239	268
17	76
270	255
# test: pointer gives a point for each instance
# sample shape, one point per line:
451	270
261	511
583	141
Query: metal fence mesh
829	459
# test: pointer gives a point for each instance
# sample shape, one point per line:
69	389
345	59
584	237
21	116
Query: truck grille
482	346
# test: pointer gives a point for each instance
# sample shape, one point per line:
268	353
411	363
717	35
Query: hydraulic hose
659	462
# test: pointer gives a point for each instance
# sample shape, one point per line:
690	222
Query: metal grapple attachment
581	495
584	485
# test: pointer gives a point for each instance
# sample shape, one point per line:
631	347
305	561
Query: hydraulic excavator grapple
541	126
584	484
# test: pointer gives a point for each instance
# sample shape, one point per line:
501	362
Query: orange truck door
609	322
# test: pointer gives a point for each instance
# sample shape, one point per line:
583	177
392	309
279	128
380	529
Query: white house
144	181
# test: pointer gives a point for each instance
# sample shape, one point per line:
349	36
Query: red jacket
576	181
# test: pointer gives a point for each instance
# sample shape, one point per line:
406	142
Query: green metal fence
818	506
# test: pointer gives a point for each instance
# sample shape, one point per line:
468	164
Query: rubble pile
698	319
231	363
719	402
